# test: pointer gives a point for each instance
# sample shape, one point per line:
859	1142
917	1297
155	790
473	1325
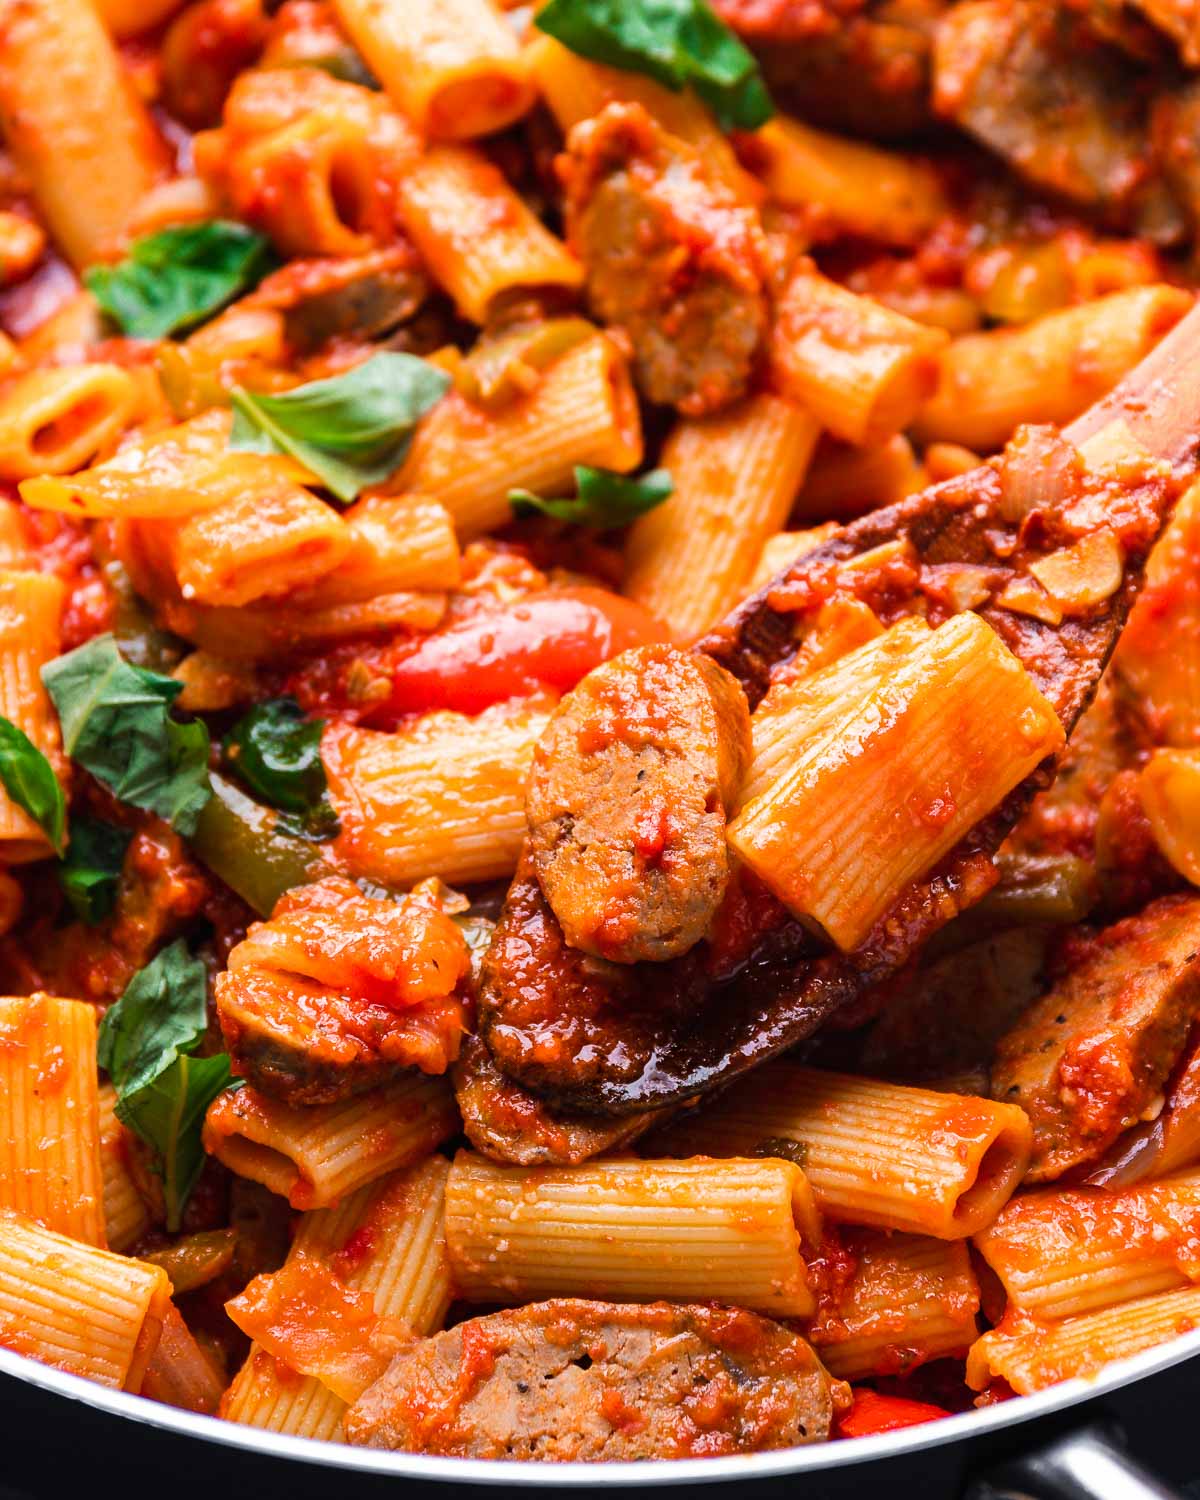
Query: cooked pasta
546	552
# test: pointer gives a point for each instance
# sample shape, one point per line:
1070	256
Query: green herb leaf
352	430
30	781
603	499
145	1045
277	752
90	871
178	277
680	43
116	723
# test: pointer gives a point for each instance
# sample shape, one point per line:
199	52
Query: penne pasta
445	797
62	89
633	1230
312	1157
582	411
928	747
49	1116
31	608
736	476
477	236
454	68
76	1307
988	384
874	1153
862	370
909	1300
56	421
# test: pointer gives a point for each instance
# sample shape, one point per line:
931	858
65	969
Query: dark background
53	1447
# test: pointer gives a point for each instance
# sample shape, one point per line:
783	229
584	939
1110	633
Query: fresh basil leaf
276	750
680	43
116	723
30	781
602	500
169	1113
90	871
178	277
352	430
145	1044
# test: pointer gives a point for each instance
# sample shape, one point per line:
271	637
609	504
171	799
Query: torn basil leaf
352	430
276	750
146	1045
679	43
90	871
602	499
176	278
29	779
116	723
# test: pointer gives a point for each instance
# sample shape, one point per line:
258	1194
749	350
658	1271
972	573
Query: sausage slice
673	258
574	1380
627	799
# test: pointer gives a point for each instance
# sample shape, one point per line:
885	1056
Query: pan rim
665	1472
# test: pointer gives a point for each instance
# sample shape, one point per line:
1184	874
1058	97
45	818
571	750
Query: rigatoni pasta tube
1030	1355
126	1217
632	1231
863	370
736	476
444	797
1064	1252
874	1153
870	801
1050	370
78	1308
31	606
265	1393
62	89
843	482
397	543
49	1115
855	189
582	411
810	704
575	88
55	421
275	538
454	67
476	234
388	1240
177	472
910	1300
313	1156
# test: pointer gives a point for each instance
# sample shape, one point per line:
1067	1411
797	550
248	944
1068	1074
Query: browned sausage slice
511	1125
674	259
1089	1058
627	799
573	1380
